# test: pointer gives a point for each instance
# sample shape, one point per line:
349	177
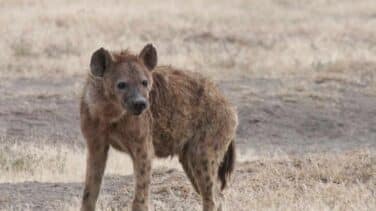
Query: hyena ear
149	56
100	61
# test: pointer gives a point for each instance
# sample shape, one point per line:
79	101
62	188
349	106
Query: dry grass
22	162
267	38
316	181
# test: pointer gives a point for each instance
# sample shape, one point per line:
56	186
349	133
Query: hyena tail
227	166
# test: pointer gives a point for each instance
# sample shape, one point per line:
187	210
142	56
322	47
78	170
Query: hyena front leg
96	162
142	160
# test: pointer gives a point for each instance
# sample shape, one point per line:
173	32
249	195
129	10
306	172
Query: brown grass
27	162
315	181
268	38
318	181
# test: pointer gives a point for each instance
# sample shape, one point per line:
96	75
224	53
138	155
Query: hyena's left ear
100	61
149	56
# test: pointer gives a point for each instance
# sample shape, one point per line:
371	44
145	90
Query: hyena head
126	78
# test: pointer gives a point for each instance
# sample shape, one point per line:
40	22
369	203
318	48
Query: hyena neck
101	105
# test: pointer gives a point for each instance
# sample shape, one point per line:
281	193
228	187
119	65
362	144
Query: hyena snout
137	105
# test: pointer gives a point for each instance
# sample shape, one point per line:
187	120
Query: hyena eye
145	83
122	85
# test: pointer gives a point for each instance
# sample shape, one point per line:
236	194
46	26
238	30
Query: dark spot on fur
216	147
141	200
208	187
144	156
207	178
98	147
98	177
145	185
147	165
198	172
200	93
208	198
142	172
113	125
86	195
142	186
205	164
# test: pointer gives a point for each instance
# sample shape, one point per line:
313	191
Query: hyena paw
140	205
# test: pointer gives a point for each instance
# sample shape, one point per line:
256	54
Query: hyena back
147	111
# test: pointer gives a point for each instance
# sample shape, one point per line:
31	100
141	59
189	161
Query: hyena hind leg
211	169
205	173
188	166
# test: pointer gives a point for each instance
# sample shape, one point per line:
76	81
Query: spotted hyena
147	111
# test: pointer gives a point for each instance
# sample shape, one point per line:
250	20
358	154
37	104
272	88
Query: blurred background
301	73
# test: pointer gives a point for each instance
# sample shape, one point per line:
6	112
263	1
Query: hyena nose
139	105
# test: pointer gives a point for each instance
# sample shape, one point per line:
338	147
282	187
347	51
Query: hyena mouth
137	112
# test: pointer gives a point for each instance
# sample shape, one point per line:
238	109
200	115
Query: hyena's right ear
100	61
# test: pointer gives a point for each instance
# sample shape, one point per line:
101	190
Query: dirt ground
302	75
293	124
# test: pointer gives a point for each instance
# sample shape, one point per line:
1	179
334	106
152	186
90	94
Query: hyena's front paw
140	205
